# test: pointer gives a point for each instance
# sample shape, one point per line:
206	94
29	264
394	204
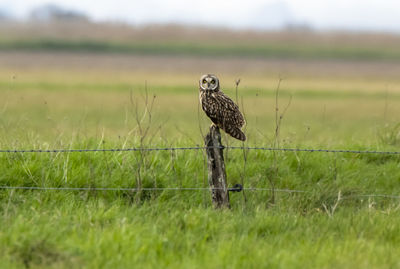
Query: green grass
180	229
207	49
97	234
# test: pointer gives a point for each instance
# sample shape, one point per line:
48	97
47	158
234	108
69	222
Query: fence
308	150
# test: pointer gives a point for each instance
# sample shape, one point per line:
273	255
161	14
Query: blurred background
54	54
256	36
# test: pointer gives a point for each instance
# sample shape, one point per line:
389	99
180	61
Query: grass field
78	101
188	41
219	50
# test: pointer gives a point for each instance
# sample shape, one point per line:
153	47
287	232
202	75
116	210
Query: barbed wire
390	196
99	189
320	150
142	189
200	148
96	150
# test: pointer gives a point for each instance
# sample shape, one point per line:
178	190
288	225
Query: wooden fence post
216	168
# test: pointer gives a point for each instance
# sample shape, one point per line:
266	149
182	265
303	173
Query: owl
222	111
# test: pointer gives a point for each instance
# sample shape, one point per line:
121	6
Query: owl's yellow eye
204	81
213	81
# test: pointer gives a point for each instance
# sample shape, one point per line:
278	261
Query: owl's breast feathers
223	112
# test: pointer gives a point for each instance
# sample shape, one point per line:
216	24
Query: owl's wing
223	111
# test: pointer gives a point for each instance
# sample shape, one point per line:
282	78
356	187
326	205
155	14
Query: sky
356	15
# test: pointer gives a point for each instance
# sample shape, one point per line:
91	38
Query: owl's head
209	82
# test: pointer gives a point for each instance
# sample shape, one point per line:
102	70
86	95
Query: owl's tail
235	132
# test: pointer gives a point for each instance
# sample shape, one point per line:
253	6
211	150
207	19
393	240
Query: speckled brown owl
222	111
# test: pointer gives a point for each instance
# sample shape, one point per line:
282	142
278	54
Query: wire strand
390	196
310	150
